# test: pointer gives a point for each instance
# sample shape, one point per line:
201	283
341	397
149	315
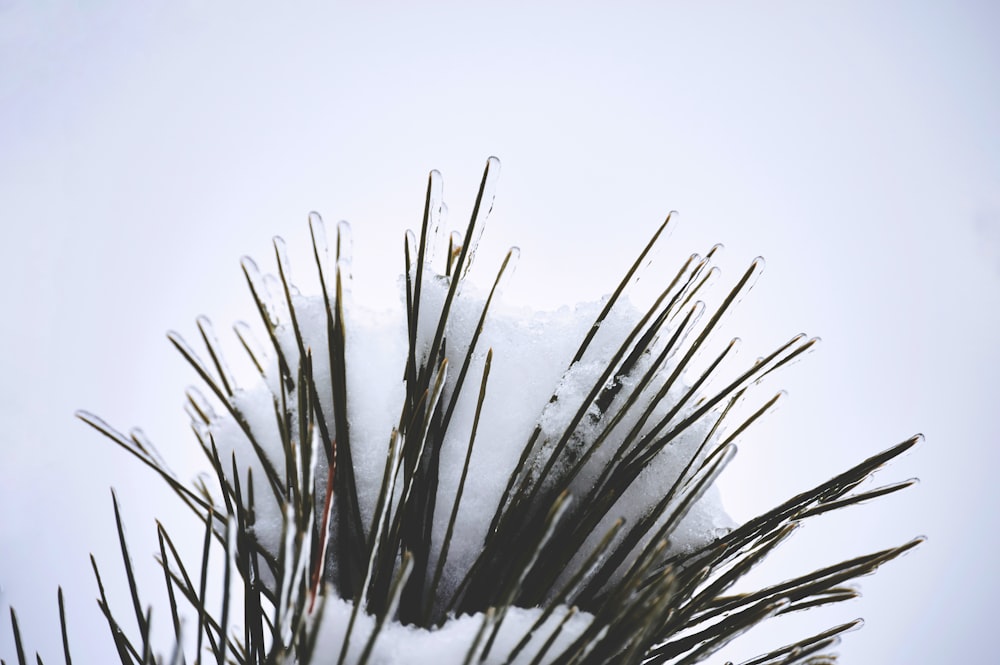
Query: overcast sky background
855	145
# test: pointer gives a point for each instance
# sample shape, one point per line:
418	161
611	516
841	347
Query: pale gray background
855	145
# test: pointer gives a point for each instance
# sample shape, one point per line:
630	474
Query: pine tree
573	566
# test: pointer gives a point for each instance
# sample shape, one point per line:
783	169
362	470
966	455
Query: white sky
144	150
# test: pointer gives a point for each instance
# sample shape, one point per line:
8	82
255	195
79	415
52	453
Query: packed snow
532	354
